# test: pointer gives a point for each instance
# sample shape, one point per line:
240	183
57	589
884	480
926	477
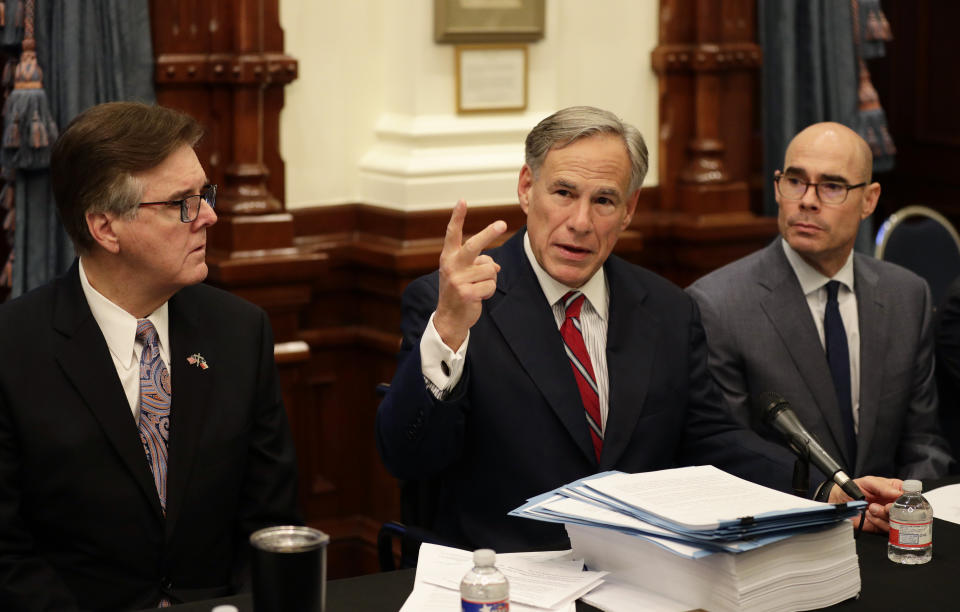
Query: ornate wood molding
224	68
223	62
706	57
707	63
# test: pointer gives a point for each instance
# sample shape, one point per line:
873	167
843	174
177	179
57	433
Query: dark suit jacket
762	338
514	426
80	520
947	326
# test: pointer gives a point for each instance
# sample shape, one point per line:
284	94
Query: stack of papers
700	537
539	581
803	572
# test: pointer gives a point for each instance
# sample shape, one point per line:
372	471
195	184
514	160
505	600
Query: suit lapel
870	312
82	353
189	405
525	320
786	307
631	346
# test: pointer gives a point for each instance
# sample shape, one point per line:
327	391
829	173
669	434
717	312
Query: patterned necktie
838	356
154	407
582	367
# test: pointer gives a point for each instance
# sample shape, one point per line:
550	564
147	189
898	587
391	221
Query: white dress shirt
119	329
814	287
440	378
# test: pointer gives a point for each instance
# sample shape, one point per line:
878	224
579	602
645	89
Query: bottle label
480	606
911	535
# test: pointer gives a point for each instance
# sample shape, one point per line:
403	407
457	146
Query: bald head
823	233
840	139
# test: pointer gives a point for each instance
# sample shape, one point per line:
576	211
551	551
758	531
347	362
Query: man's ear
524	185
631	209
101	227
871	196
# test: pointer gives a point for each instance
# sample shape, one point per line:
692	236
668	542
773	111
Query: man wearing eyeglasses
845	338
142	432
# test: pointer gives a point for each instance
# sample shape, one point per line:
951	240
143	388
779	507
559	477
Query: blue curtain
91	51
809	74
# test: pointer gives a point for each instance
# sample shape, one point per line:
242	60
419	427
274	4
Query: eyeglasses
190	205
830	192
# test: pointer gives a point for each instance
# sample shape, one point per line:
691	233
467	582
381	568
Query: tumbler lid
288	538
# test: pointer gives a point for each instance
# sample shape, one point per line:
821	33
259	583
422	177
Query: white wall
372	117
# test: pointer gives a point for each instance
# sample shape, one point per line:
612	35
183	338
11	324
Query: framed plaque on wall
491	78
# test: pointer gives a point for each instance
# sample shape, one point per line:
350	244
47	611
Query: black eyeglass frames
830	192
190	205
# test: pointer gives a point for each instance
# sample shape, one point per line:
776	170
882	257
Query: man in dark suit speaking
549	359
142	433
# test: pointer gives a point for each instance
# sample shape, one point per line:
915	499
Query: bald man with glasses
845	338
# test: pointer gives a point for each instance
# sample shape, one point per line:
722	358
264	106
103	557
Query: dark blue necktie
838	356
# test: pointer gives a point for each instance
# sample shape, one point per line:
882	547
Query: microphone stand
801	477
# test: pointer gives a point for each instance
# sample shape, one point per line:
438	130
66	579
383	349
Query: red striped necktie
582	367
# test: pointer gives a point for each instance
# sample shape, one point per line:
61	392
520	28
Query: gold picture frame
472	21
491	78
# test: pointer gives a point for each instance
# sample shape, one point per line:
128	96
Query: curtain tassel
27	111
11	133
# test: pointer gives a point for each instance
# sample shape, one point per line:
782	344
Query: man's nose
579	219
207	216
810	198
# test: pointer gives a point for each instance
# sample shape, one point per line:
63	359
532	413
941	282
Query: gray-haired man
511	384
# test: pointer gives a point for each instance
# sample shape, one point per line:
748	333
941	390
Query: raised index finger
481	240
454	235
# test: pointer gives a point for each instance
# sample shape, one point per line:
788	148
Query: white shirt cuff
441	366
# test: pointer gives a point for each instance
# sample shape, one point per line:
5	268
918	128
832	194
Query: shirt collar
594	289
810	278
118	326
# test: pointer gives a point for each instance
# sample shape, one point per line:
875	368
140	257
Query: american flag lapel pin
198	360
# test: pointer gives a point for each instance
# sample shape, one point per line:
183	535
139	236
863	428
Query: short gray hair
571	124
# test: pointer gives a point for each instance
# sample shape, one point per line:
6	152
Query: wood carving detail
224	68
706	57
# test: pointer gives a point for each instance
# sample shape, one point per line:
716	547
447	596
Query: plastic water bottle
484	588
911	527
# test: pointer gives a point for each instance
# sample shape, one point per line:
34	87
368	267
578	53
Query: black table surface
885	585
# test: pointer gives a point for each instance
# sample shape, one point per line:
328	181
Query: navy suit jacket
762	337
514	426
80	520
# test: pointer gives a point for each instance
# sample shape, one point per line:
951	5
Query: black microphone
776	413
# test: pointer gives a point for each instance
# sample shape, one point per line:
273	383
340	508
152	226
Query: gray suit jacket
761	337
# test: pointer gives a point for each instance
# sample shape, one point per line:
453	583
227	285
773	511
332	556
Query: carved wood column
223	62
707	63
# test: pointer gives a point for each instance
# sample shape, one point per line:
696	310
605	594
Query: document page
945	502
721	497
536	579
430	598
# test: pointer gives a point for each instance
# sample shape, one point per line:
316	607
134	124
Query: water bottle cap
912	486
484	556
